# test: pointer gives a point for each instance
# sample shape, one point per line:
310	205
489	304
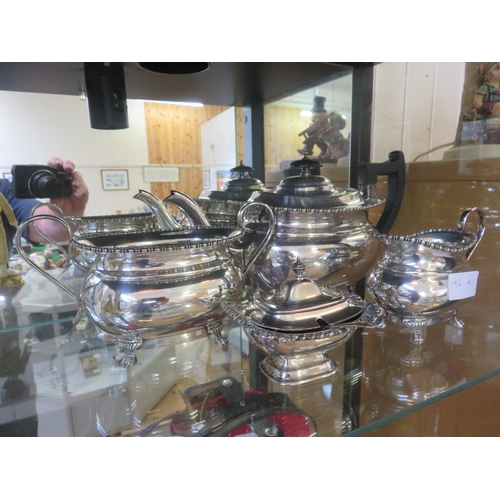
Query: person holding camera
72	205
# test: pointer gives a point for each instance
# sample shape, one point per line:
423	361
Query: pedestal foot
297	370
417	327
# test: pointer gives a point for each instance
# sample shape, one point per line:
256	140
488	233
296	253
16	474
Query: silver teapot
422	278
298	323
152	284
222	206
326	227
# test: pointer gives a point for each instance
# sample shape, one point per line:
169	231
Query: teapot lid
300	305
306	184
308	190
239	187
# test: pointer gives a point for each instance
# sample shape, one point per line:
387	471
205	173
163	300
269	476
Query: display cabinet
58	378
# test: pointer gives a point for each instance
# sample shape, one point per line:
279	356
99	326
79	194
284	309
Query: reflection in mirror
316	121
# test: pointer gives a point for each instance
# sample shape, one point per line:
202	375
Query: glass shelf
56	380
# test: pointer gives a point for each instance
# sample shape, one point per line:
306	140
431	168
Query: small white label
161	174
462	285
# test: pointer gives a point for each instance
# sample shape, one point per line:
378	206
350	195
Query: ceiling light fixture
175	68
176	103
106	95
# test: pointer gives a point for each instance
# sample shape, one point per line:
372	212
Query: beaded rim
369	203
111	218
372	314
229	203
156	248
414	238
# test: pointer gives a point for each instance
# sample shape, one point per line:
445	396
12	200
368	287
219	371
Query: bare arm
73	205
478	100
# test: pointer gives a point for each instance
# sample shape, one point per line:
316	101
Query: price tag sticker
462	285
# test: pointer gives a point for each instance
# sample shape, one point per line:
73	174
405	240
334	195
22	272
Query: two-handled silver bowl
151	284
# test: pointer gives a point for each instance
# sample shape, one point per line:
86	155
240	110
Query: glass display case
58	378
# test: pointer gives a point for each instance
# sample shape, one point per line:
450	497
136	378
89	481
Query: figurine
7	276
324	132
479	122
487	97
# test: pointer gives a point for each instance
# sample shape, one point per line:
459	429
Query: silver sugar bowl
152	284
298	323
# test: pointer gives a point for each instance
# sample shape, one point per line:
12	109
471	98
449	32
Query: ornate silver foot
214	328
417	329
455	321
414	357
294	370
129	346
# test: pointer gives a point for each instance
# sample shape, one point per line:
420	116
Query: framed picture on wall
206	179
114	180
222	177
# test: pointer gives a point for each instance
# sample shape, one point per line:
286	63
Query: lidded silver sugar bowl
424	277
297	323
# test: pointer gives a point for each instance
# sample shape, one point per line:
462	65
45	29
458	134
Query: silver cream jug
422	278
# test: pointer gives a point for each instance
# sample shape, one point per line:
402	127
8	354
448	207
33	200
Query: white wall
416	108
35	127
218	145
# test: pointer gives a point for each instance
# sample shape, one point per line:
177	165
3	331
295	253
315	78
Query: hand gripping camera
40	181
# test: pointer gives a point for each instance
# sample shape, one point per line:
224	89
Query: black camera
40	181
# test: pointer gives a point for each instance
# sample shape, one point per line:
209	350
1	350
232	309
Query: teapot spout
188	207
164	217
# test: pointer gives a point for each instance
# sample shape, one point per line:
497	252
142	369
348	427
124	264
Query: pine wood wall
174	138
282	126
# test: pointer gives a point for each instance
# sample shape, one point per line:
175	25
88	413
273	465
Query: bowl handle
25	256
480	230
269	234
56	208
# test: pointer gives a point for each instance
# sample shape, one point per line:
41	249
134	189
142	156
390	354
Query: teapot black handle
395	170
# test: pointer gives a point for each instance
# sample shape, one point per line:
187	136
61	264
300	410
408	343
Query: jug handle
395	170
25	257
481	228
269	234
